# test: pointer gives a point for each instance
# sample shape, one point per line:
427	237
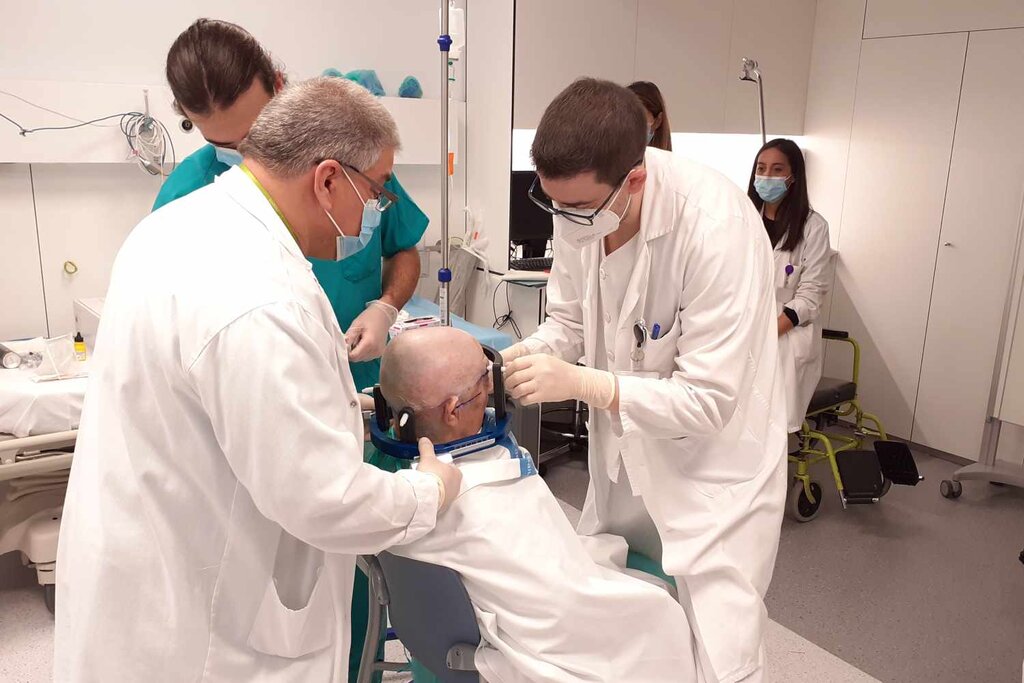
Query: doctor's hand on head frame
540	378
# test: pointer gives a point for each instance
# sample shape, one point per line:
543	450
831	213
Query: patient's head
443	375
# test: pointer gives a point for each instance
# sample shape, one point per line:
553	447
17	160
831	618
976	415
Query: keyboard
535	263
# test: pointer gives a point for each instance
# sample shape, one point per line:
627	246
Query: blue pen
655	331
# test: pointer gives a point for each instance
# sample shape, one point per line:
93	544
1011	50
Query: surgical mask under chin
227	156
349	246
770	188
605	223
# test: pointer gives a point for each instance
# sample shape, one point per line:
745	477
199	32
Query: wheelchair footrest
861	475
860	500
897	463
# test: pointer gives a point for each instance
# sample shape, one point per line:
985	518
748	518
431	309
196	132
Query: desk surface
527	278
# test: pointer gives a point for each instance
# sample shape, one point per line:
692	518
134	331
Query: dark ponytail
212	63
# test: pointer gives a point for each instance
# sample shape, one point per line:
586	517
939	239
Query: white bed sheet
28	408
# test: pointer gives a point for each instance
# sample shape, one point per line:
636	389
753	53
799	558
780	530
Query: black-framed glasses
385	197
538	197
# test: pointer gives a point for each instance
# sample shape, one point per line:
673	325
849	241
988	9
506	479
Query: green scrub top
349	284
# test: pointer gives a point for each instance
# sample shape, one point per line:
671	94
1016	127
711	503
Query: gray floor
916	589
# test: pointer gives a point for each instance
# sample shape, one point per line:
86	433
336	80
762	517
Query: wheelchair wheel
950	489
886	485
799	506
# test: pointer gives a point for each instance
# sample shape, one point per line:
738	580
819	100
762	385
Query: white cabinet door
22	310
84	213
906	17
558	42
903	121
683	47
979	229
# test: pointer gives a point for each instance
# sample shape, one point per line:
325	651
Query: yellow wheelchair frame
817	445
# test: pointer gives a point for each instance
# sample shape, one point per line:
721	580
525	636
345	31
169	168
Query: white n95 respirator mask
605	222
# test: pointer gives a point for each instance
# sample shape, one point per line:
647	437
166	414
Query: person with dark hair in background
804	266
662	284
659	132
221	78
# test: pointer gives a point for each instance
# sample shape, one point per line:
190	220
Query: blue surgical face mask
349	246
227	156
770	188
650	134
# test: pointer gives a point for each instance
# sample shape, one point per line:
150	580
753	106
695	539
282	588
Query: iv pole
751	73
444	275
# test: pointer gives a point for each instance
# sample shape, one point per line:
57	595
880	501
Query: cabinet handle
70	267
947	244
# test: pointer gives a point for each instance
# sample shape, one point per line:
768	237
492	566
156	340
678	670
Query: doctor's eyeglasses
538	197
385	197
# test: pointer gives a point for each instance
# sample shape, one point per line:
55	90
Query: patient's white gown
546	610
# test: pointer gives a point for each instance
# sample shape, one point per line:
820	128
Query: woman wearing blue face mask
804	266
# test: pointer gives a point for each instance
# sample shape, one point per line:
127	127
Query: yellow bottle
79	347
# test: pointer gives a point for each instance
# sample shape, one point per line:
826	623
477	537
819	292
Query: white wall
88	210
691	49
831	90
108	41
489	139
731	154
879	147
21	286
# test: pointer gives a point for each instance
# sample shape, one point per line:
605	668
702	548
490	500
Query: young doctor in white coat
804	267
662	284
219	496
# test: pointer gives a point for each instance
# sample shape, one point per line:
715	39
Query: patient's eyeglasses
487	389
487	375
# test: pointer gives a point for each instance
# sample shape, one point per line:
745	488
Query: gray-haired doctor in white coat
662	284
218	495
804	267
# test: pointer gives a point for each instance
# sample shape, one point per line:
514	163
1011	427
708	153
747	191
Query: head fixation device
403	443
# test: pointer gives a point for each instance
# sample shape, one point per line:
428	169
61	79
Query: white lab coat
701	421
218	494
547	612
804	290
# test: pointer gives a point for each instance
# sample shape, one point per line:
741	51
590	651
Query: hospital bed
38	428
861	476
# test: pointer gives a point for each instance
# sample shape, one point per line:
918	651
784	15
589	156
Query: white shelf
419	122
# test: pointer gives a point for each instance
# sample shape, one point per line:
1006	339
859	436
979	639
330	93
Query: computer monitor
529	225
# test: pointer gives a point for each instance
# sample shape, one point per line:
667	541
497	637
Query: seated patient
546	610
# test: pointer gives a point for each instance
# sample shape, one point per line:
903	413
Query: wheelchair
412	594
431	612
862	476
